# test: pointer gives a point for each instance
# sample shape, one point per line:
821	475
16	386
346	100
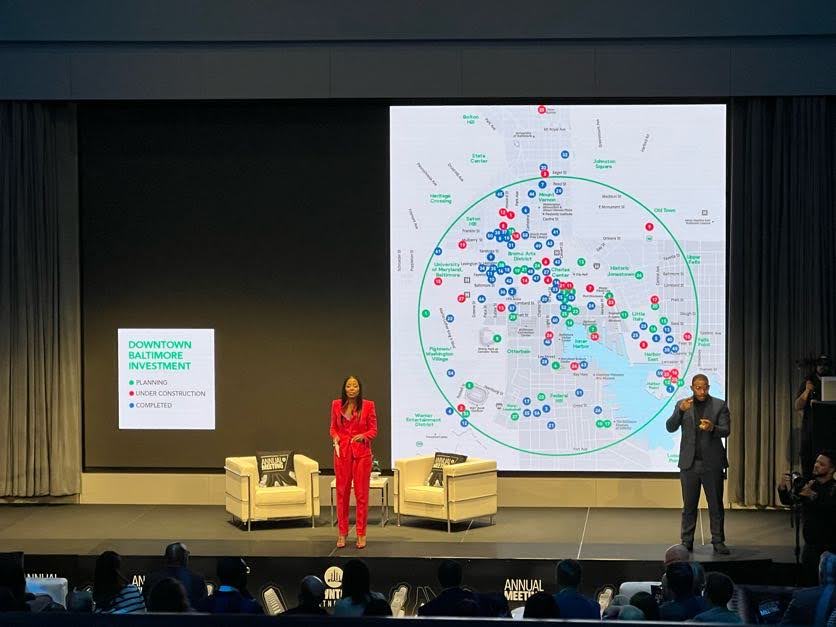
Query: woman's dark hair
541	605
646	602
168	595
107	579
344	396
356	581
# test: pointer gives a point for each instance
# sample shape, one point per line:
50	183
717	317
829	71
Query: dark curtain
782	279
39	302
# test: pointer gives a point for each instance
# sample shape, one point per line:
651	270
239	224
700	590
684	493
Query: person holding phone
704	421
353	427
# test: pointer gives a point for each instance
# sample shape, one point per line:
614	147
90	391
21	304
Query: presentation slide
557	277
166	378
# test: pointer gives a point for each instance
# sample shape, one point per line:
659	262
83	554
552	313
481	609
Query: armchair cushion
424	494
279	496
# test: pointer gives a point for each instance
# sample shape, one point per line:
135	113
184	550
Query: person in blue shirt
683	604
572	603
231	597
719	590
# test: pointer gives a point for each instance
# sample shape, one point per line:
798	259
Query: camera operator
810	391
817	499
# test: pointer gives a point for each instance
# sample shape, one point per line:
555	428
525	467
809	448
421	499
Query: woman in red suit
353	427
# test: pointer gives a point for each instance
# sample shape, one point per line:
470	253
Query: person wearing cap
176	558
311	596
231	596
809	391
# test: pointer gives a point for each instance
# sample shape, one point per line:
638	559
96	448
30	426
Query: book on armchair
275	469
436	476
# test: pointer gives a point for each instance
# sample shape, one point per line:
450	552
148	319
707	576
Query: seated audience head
13	579
168	595
541	605
680	580
356	581
450	574
232	571
646	602
377	607
677	553
719	589
311	591
177	554
699	578
827	568
631	612
108	579
568	574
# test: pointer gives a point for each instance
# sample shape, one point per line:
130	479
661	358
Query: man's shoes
689	546
721	548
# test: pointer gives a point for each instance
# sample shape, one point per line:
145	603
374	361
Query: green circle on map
639	274
515	416
541	397
609	295
469	385
497	338
581	261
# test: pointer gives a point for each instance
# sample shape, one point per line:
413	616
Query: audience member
9	603
677	553
378	607
231	597
13	584
571	602
448	602
719	590
357	593
169	595
493	604
80	602
311	596
699	578
812	606
176	558
632	613
612	611
683	603
646	602
112	592
541	605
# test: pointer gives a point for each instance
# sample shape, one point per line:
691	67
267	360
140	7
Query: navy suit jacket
713	451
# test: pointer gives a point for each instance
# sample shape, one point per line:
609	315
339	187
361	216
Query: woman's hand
359	438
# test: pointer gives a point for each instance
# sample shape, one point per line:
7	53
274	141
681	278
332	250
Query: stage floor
519	533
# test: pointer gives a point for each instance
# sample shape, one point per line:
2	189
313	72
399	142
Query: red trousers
348	468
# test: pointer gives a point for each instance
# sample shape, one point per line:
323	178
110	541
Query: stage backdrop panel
558	275
266	222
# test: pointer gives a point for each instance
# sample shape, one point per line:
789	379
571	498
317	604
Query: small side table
379	483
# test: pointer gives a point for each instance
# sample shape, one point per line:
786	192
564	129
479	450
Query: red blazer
364	423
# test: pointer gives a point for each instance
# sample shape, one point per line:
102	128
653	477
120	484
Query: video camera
797	483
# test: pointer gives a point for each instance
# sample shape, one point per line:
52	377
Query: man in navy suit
702	459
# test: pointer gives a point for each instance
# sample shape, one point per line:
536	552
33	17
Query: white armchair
248	502
469	490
